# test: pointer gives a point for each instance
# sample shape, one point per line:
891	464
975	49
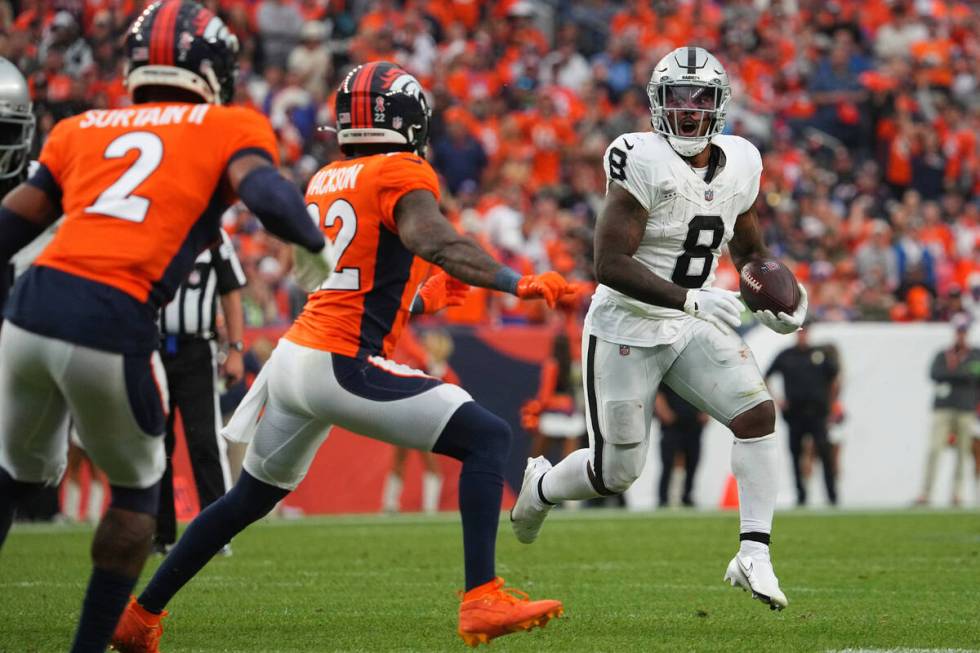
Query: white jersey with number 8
688	225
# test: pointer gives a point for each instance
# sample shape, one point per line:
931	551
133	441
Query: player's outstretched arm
619	231
274	200
26	212
427	233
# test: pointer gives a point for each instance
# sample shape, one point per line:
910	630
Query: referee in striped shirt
189	351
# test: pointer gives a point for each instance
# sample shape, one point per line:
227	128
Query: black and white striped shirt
192	312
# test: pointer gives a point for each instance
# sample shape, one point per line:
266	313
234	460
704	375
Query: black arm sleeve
279	206
43	180
15	233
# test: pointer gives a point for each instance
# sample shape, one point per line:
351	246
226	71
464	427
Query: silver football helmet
16	121
689	89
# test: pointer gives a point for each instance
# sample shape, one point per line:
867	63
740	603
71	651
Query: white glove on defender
714	305
785	323
311	270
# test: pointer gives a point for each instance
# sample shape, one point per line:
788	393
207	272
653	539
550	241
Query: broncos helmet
181	44
16	121
380	102
688	87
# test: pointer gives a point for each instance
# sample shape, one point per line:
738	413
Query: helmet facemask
688	114
16	136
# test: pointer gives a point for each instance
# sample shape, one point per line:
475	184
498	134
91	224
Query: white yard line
902	650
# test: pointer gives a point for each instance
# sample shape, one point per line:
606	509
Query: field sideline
630	582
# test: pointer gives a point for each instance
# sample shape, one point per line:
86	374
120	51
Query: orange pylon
729	497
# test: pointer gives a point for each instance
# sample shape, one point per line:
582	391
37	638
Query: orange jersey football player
142	190
380	208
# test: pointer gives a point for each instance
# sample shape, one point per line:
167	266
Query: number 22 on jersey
342	277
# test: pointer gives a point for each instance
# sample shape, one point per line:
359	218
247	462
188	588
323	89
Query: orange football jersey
361	309
143	192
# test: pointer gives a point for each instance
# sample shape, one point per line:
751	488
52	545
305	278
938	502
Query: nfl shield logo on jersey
709	194
624	350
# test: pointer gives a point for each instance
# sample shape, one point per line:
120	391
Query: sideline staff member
811	382
956	372
189	350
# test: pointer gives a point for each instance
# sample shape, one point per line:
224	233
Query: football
768	284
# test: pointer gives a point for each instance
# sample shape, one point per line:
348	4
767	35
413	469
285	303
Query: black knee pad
475	431
145	500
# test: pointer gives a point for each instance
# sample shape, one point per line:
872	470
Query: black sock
105	599
480	493
11	492
245	503
481	440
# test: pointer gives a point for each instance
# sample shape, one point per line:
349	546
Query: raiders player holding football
675	196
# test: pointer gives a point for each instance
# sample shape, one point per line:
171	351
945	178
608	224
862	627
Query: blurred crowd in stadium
867	113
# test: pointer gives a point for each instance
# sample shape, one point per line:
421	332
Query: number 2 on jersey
694	250
342	278
116	201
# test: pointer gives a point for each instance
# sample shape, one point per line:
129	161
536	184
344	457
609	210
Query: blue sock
248	501
481	440
11	492
105	599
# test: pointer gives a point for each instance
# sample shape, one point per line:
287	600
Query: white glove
714	305
311	270
785	323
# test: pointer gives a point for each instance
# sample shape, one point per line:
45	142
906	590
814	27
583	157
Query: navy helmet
380	102
179	43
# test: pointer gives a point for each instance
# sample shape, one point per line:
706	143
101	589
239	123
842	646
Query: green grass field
630	582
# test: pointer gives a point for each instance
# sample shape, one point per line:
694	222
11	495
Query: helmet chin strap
688	147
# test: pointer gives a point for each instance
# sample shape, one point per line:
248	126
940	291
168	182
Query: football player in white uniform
675	196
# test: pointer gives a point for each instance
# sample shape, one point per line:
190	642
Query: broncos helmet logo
390	75
401	81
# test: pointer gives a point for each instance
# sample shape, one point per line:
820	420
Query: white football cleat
756	576
528	513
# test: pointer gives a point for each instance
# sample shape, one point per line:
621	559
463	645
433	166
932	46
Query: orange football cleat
138	630
492	610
